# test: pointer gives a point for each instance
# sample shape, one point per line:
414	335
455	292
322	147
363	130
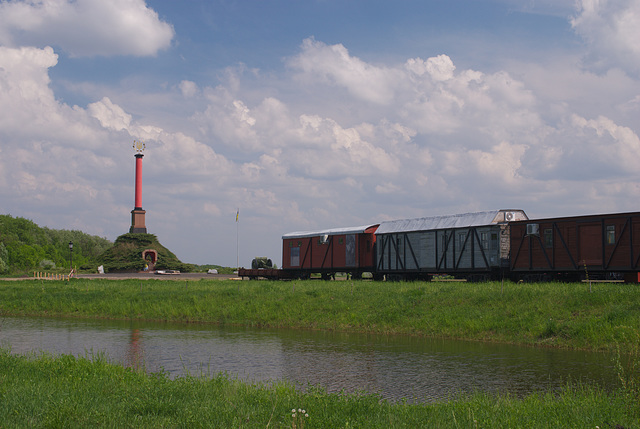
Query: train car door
590	244
350	250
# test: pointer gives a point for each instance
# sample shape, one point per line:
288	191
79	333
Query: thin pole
237	246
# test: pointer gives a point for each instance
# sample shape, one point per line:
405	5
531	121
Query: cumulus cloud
440	68
446	132
430	96
342	151
40	136
110	115
28	107
333	64
188	88
85	27
611	29
614	146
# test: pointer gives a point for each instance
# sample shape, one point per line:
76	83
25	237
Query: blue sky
313	114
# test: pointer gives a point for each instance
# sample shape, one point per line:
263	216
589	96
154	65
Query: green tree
30	247
4	257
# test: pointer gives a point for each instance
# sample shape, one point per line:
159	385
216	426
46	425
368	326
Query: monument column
137	214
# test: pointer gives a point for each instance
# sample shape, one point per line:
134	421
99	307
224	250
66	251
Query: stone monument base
137	222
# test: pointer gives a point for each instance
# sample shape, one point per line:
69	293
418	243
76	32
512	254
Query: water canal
396	367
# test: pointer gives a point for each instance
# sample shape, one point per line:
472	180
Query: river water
396	367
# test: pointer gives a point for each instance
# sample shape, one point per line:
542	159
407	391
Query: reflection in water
393	366
134	357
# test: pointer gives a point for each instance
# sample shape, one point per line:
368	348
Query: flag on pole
237	214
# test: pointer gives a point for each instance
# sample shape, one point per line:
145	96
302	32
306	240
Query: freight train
481	246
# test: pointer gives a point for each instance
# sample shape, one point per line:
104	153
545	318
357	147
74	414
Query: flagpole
237	247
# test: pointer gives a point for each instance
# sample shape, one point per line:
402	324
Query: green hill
126	255
25	247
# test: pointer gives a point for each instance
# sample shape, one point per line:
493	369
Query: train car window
494	241
611	234
461	238
548	237
533	229
484	240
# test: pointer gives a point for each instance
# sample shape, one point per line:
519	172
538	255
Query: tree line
25	246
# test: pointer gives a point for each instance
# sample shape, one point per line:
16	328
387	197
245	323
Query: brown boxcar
331	251
603	247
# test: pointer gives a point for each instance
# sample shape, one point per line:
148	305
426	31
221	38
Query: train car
265	273
474	246
330	251
605	247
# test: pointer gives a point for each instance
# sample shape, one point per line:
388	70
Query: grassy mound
126	255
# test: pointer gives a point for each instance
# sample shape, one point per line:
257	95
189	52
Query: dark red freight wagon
605	247
331	251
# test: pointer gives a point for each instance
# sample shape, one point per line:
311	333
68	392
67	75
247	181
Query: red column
138	202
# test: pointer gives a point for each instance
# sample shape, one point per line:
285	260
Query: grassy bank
45	391
579	316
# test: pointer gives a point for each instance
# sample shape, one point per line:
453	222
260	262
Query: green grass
64	391
44	391
575	316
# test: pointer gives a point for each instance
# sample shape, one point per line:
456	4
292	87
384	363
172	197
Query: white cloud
28	107
228	119
110	115
613	145
334	151
85	27
445	133
440	68
309	144
333	64
387	188
611	28
188	88
429	96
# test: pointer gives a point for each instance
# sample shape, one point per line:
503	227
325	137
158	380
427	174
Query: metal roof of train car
332	231
451	221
